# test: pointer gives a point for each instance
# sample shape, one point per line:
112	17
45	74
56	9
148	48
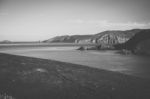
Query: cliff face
111	39
107	39
115	37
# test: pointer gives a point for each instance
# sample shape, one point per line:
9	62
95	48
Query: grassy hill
139	43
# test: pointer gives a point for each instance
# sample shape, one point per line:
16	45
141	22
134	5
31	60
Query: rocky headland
135	41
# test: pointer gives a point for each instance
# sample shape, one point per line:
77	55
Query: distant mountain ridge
5	41
68	39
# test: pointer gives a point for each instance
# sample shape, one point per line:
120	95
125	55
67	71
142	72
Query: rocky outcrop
114	37
88	48
107	39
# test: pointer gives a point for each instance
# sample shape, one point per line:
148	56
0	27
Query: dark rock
88	48
81	48
125	52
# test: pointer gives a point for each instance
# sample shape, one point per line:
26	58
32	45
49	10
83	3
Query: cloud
104	24
128	24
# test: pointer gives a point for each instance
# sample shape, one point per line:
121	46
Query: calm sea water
109	60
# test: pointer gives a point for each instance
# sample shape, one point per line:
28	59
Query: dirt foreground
33	78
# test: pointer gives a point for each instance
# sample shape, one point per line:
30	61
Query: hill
139	43
68	39
5	42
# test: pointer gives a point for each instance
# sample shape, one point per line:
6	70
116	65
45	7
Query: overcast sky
23	20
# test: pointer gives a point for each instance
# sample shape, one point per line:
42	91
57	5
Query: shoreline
34	78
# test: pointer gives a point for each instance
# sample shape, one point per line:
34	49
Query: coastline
34	78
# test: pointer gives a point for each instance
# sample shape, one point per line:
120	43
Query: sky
32	20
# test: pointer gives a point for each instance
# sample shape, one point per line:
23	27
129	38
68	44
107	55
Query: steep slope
140	43
107	39
114	37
